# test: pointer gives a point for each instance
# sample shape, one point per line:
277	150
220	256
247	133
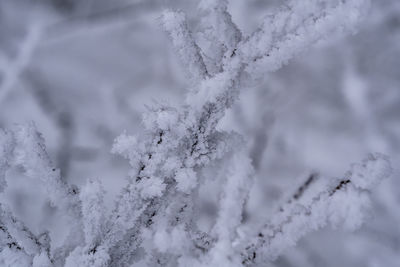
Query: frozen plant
154	219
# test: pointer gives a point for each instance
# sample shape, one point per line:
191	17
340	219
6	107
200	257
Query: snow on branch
24	147
238	175
220	34
283	35
185	137
16	238
153	219
223	28
94	221
295	27
339	203
176	26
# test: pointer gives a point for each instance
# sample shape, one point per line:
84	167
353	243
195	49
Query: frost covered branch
175	24
154	218
24	148
318	203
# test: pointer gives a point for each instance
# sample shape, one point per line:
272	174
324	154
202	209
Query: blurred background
83	71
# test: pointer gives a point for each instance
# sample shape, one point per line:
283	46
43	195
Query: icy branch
155	210
176	26
220	34
186	137
238	176
340	203
24	147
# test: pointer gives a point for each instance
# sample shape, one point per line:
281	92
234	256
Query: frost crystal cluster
154	219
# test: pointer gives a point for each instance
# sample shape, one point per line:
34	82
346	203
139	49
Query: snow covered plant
154	221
